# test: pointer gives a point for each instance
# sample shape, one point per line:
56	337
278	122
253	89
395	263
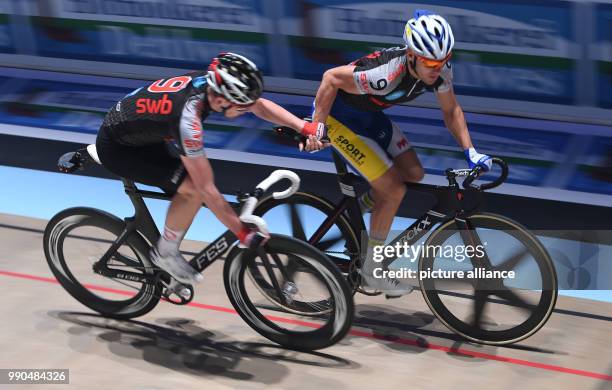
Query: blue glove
476	159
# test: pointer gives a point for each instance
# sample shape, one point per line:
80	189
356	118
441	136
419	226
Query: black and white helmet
236	78
429	35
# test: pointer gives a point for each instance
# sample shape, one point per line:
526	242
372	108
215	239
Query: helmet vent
416	44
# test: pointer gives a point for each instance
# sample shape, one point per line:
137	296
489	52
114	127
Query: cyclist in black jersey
351	100
154	136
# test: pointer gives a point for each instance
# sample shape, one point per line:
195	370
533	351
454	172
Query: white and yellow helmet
429	35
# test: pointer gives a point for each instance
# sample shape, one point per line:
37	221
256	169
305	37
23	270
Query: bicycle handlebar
477	171
290	133
279	175
246	214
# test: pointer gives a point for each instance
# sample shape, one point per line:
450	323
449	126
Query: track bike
489	307
120	258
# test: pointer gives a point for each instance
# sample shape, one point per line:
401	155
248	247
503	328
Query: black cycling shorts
152	165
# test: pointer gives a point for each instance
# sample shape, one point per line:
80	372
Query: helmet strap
412	63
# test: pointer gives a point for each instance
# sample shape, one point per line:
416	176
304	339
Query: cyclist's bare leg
409	166
410	169
388	192
183	208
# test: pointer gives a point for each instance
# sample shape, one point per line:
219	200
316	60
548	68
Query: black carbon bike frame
452	202
142	223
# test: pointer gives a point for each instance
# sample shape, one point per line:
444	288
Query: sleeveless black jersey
170	109
383	80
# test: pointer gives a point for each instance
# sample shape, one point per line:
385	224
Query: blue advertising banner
7	35
57	105
603	54
594	174
517	50
177	34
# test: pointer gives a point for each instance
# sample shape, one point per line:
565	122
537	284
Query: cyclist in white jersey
351	100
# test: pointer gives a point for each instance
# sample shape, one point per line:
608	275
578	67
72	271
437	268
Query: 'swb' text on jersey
161	106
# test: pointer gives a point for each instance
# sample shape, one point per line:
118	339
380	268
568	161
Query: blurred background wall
534	77
544	58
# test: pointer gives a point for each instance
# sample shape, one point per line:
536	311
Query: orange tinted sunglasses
434	64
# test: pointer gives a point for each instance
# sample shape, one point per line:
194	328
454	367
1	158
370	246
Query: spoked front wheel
307	216
307	304
75	239
507	288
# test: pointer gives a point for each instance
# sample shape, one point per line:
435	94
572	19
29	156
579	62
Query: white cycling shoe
179	289
391	287
176	266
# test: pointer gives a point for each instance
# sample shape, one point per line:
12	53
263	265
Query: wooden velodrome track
205	345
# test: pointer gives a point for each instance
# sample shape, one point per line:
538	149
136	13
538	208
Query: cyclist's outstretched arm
272	112
201	174
454	118
334	79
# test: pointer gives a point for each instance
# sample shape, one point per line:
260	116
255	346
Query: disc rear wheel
75	239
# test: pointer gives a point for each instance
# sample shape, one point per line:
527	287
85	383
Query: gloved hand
251	237
316	137
318	129
476	159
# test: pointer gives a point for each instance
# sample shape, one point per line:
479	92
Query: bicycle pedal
289	291
183	292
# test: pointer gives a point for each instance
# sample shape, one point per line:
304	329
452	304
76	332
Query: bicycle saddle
70	162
